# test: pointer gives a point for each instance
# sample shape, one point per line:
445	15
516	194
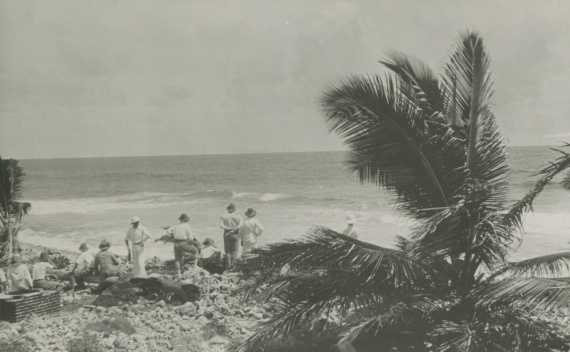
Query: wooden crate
16	307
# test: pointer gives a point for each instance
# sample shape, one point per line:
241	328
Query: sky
145	77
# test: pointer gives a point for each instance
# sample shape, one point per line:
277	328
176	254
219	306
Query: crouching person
39	271
82	268
106	264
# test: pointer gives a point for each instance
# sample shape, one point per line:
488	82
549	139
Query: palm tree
11	209
431	142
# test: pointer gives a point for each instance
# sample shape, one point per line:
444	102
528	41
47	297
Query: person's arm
28	277
240	224
115	259
189	234
259	229
96	265
222	226
146	235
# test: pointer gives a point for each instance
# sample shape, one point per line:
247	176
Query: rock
17	328
202	320
120	343
161	303
222	340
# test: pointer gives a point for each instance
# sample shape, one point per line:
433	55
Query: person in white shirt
138	235
208	248
82	268
18	275
185	243
250	230
39	270
351	230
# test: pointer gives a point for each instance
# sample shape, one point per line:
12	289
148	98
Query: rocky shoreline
217	321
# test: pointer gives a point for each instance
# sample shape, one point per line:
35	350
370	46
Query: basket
16	307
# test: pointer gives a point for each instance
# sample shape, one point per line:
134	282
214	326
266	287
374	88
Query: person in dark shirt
106	263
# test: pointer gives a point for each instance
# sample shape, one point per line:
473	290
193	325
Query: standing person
19	277
231	223
138	235
39	274
184	242
351	230
106	263
249	231
82	268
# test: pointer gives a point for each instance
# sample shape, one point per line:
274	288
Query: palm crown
432	143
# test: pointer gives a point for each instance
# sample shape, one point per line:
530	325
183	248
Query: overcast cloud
136	77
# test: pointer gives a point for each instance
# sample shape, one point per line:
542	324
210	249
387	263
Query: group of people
237	232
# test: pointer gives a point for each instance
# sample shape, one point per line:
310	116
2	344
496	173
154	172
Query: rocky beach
218	320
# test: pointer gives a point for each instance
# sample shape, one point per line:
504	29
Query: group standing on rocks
237	232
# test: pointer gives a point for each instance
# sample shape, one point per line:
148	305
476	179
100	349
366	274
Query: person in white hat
138	235
351	230
250	230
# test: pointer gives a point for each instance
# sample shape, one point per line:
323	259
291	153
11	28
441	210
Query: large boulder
155	288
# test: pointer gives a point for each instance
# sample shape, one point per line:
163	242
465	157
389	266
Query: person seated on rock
18	275
82	268
208	248
3	281
39	274
106	263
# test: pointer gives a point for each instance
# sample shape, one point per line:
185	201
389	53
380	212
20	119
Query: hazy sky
110	78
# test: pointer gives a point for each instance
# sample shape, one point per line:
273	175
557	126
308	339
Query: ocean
91	199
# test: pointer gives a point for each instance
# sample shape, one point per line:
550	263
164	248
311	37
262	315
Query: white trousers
138	261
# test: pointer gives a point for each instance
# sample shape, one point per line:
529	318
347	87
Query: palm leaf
551	265
390	314
333	252
514	217
534	293
391	142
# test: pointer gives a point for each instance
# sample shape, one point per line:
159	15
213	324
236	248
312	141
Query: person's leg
178	258
227	249
141	259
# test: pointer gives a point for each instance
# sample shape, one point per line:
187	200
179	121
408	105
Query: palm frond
514	217
418	82
389	315
551	265
328	250
458	337
532	293
391	142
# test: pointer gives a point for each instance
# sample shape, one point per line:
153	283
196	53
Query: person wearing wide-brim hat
82	268
231	224
351	230
138	235
106	263
185	243
250	231
208	248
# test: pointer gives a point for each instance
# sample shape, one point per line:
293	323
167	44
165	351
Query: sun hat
350	219
104	244
83	247
44	256
231	206
250	213
208	242
183	217
135	219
